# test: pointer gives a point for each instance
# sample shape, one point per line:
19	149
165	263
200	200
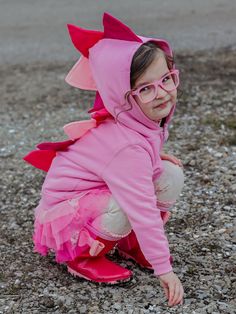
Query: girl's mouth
163	105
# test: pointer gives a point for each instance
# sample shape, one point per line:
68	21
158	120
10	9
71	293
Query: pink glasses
149	92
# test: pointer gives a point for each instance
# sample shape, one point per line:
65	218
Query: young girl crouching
111	185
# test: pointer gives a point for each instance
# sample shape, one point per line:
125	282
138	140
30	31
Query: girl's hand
173	288
172	159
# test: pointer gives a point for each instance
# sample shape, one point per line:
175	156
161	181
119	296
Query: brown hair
143	57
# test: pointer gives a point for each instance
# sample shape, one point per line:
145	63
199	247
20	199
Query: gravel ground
35	104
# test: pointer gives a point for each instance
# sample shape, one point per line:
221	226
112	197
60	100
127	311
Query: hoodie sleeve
129	178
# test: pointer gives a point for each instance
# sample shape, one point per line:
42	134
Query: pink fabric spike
55	146
101	115
98	103
77	129
80	75
40	159
84	39
115	29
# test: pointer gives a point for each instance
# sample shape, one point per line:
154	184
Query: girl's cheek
174	96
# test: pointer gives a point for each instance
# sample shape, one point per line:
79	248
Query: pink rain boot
94	266
129	248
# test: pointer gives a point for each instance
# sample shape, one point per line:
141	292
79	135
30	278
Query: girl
110	185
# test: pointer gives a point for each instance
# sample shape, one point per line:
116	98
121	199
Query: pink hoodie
122	154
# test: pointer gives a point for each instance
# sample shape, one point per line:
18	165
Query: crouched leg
105	227
112	222
169	185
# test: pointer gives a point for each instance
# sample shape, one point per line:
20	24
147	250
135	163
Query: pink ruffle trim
62	228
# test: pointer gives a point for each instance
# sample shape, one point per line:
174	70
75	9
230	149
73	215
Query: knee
113	222
176	175
171	181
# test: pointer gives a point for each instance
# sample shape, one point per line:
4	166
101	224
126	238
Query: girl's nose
160	92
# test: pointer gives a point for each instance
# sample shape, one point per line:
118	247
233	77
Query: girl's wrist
163	268
169	272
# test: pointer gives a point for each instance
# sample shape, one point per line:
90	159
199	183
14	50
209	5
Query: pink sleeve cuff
162	268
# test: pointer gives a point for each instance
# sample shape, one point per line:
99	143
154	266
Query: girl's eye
166	78
145	89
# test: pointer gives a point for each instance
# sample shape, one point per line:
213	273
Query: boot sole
77	274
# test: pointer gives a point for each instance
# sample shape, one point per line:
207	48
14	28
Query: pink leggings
112	223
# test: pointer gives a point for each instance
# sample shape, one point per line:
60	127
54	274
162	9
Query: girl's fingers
178	298
171	293
178	293
173	288
182	296
166	290
172	159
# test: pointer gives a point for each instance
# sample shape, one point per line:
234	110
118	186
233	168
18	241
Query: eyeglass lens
149	92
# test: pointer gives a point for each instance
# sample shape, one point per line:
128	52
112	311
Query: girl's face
161	106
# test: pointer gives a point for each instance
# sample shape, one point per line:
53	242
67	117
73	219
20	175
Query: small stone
192	163
48	302
117	306
222	230
83	309
17	283
202	295
233	188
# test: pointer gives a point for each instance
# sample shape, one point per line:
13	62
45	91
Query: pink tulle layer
62	226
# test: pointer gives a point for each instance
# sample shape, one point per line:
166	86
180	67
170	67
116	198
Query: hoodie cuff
162	268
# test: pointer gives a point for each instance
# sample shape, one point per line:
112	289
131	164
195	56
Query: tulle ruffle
62	227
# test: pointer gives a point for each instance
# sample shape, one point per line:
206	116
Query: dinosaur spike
115	29
84	39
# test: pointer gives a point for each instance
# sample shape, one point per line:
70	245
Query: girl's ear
115	29
84	39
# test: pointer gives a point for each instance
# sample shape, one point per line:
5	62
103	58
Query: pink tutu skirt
61	227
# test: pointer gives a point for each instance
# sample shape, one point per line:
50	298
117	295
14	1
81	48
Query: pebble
48	302
83	309
192	163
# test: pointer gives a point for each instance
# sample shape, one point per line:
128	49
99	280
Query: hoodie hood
107	58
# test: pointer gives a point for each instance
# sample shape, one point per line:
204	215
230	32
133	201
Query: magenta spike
115	29
84	39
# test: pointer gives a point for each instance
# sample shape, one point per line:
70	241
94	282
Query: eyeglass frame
136	92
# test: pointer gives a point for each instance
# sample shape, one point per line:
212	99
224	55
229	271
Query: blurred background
36	30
